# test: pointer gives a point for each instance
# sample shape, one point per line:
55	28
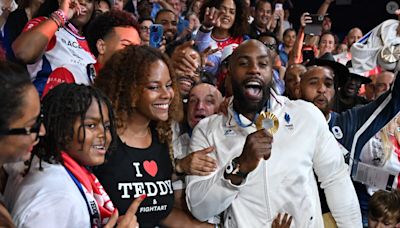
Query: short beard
243	105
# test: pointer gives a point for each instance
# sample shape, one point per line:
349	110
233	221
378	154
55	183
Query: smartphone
156	35
315	27
308	55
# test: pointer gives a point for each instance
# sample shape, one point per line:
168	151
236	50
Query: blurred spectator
347	96
118	5
169	21
58	40
353	36
384	210
383	82
16	22
269	40
103	6
224	23
327	43
340	48
292	80
286	23
380	83
144	30
323	10
289	38
6	7
262	18
195	7
107	33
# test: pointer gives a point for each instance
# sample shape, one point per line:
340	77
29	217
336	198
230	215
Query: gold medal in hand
268	121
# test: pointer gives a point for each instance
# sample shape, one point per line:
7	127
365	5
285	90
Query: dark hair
121	80
62	106
259	2
164	11
287	31
335	38
385	205
14	81
103	25
145	19
240	26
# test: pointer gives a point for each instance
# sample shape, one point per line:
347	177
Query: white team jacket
283	183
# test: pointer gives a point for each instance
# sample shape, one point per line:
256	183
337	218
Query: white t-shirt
49	198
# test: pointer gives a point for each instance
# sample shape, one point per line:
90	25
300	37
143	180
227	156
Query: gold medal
268	121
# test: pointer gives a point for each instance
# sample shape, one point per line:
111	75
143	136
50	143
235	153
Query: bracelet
206	29
60	16
55	19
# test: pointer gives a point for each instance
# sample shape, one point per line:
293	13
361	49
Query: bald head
244	48
250	71
383	82
204	100
353	36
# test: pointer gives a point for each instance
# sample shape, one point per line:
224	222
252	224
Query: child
384	210
59	190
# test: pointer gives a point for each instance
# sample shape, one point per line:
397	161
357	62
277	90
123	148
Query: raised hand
305	19
212	17
70	8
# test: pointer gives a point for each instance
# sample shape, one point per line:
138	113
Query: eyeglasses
144	28
35	129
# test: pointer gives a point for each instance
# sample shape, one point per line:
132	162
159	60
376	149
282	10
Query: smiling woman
144	95
20	123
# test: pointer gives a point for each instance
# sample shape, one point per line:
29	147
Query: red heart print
150	167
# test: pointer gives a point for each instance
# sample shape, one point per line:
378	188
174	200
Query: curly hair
103	25
14	81
62	106
240	26
122	78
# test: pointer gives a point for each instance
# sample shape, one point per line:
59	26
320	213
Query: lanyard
90	203
241	124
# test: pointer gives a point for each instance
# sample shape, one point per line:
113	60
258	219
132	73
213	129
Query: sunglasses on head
35	129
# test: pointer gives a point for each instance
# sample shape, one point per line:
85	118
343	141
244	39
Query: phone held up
315	27
156	35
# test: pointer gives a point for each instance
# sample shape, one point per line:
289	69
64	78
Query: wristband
56	20
61	16
206	29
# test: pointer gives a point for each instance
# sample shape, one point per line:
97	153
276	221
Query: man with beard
347	96
354	127
259	174
169	21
